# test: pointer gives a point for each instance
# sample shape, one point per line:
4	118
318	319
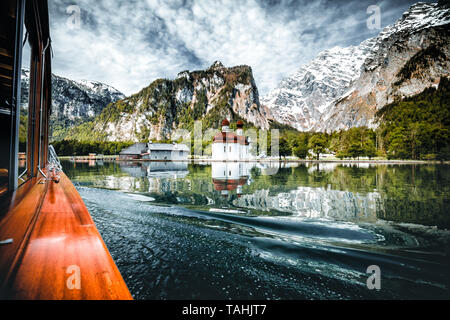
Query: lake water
272	231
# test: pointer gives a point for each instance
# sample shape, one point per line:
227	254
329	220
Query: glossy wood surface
17	218
64	238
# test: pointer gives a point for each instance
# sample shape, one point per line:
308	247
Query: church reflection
227	179
230	176
337	191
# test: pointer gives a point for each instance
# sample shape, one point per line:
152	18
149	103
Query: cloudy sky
130	43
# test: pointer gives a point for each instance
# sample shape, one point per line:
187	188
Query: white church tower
230	146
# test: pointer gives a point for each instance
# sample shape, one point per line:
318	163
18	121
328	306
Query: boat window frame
11	145
31	94
28	16
40	92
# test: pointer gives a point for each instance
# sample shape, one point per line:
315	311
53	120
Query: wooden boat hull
63	256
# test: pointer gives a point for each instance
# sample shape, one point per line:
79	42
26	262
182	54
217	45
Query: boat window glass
42	117
23	112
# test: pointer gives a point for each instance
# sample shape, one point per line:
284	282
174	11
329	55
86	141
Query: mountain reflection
345	192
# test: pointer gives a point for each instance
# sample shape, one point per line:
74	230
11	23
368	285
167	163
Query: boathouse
155	152
167	151
134	152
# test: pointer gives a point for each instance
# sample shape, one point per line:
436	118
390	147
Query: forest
81	148
416	128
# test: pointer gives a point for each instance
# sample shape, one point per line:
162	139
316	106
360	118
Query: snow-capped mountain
343	87
80	100
301	99
74	102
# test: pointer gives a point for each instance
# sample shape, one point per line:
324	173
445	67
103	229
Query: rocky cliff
73	102
344	87
165	105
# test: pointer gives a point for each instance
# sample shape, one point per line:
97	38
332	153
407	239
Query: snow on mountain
72	100
301	99
340	80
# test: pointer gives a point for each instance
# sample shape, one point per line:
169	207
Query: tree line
418	127
352	143
415	128
80	148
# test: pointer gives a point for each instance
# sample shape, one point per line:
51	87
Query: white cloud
128	44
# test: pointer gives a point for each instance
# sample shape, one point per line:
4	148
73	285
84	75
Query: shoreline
268	160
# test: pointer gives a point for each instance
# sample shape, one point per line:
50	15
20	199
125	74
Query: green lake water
274	230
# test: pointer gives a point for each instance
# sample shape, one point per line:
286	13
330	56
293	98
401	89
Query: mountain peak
159	110
419	16
313	98
183	74
217	65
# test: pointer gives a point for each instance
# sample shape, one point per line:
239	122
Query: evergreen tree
318	144
284	147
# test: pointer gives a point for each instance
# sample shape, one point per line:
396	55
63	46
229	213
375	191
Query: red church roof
230	137
228	184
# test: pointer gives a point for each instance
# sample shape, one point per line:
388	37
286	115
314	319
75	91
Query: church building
230	146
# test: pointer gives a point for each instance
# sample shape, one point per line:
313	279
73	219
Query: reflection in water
155	169
272	230
349	192
310	202
230	176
